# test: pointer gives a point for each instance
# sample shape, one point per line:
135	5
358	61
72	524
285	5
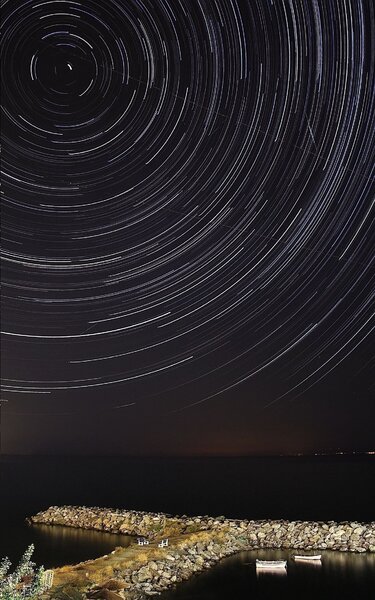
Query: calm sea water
316	488
339	577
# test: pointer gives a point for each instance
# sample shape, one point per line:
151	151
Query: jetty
180	546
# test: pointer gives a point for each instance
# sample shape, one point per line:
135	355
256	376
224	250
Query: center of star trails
63	70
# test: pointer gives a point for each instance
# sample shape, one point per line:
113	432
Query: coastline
194	544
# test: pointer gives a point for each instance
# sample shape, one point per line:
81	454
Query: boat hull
270	564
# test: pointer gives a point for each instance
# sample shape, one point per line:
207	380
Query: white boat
270	564
308	557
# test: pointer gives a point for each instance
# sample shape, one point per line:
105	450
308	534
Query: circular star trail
188	196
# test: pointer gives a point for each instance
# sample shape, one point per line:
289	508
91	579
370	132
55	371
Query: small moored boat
308	557
270	564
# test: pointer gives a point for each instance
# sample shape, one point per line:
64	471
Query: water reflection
57	545
270	571
346	576
314	564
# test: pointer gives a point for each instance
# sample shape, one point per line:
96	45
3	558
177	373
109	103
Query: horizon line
192	456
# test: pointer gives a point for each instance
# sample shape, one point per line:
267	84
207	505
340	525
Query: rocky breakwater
136	572
195	544
128	522
185	557
349	536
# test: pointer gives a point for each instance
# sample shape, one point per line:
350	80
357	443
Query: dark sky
188	226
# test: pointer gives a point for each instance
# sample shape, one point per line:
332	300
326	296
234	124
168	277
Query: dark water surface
311	488
56	546
339	576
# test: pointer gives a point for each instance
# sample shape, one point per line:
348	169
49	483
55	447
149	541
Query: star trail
188	222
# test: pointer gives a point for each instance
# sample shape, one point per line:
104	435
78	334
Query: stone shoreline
195	544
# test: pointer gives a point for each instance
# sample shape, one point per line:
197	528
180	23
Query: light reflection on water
339	575
56	545
267	572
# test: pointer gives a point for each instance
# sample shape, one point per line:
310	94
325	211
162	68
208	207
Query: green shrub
24	582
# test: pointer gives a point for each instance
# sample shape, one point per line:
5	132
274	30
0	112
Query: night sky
188	226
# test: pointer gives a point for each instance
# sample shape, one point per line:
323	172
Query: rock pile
177	565
129	522
346	536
